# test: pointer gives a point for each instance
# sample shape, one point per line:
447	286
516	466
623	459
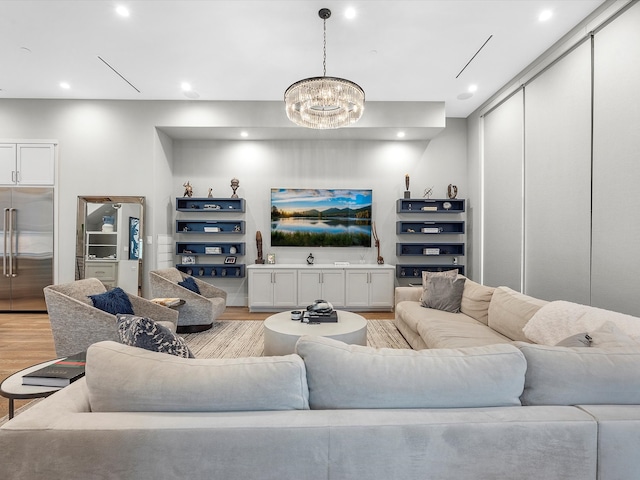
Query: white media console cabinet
290	286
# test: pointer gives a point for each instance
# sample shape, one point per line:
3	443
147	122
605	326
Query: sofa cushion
190	284
476	299
456	332
146	333
113	301
509	312
575	376
121	378
353	376
443	293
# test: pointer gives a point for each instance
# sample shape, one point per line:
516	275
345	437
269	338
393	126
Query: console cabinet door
381	289
333	287
370	288
357	288
285	288
309	286
260	288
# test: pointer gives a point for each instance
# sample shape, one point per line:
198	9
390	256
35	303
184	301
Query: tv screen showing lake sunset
320	217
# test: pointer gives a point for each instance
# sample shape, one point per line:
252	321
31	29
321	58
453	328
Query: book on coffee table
58	374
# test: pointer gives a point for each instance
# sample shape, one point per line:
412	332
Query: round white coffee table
281	333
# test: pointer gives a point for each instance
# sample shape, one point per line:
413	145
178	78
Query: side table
13	389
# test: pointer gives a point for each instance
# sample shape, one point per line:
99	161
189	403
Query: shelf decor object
324	102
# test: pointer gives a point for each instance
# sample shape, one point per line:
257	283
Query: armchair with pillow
203	302
84	312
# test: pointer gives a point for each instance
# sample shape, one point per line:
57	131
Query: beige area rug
232	338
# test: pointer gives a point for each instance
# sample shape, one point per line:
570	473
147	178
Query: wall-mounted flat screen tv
320	217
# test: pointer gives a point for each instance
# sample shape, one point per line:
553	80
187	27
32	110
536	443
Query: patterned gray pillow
146	333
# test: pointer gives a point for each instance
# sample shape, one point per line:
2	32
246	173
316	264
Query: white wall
263	165
114	148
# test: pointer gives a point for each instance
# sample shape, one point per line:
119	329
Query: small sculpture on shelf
188	189
428	192
210	194
452	191
310	259
259	260
380	260
407	193
235	183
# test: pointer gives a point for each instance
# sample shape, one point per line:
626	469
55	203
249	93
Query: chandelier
324	102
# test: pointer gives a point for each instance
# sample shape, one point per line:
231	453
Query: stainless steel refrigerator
27	255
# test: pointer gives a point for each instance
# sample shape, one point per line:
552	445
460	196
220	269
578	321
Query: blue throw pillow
143	332
114	302
190	284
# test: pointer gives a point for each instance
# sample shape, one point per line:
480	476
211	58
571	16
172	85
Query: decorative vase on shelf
107	224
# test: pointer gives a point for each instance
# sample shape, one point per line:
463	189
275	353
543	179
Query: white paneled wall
558	180
503	165
580	129
616	165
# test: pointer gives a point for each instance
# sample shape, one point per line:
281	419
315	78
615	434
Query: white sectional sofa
335	411
487	316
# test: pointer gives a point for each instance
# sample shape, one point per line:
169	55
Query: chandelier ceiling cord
324	102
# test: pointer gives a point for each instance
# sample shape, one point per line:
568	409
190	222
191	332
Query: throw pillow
190	284
443	293
146	333
427	275
114	301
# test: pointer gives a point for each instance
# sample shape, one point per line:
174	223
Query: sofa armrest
146	308
408	293
210	291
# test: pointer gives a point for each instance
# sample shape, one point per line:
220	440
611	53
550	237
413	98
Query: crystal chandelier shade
324	102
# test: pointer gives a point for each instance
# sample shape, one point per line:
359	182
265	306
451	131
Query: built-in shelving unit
211	258
442	238
101	246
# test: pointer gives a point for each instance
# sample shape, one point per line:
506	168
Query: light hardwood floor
26	339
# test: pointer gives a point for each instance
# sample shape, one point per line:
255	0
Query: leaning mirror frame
109	233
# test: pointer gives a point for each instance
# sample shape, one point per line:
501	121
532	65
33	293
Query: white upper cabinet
27	164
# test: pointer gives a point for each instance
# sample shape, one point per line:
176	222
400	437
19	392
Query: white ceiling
253	50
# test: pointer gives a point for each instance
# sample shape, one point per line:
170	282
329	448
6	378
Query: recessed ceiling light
244	134
65	85
185	86
350	13
545	15
472	88
122	11
400	134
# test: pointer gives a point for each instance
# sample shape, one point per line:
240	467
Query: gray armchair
199	310
76	323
